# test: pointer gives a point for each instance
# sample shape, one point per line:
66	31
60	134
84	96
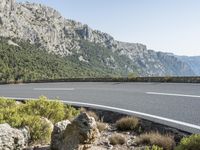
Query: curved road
174	104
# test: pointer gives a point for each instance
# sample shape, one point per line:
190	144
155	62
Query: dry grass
82	109
102	126
93	114
117	139
154	138
127	123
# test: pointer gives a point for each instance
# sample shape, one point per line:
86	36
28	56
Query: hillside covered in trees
22	61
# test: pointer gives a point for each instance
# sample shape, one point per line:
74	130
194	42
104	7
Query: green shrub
70	112
10	113
154	147
12	116
190	143
40	130
5	103
154	138
52	110
127	123
1	118
31	113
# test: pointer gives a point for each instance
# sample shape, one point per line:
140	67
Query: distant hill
78	46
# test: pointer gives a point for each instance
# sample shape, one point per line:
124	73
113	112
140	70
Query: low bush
154	138
190	143
154	147
127	123
52	110
6	103
40	130
117	139
12	116
70	112
102	126
31	113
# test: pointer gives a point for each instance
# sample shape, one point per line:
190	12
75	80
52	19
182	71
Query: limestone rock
10	42
80	133
194	63
58	133
7	6
13	139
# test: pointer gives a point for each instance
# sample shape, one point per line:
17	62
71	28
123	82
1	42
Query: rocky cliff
46	27
193	62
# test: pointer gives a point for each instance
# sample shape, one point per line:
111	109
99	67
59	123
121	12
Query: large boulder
78	135
13	139
57	134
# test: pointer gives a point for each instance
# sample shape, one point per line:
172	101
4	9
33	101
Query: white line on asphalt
173	94
53	89
125	111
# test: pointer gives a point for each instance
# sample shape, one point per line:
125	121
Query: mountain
193	62
79	44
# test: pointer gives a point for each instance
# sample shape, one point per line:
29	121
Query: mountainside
193	62
81	45
22	61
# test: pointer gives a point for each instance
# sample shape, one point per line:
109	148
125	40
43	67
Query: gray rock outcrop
13	139
193	62
58	134
44	25
78	135
6	6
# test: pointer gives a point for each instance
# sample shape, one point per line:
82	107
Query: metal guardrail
195	79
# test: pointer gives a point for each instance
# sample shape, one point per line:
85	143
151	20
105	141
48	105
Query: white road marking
173	94
123	110
53	89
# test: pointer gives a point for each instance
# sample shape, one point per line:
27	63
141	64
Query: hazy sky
163	25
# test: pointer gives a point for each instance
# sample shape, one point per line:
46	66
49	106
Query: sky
162	25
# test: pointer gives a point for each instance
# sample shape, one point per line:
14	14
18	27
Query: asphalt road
174	104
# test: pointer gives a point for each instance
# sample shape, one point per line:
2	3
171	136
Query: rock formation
13	139
193	62
58	134
78	135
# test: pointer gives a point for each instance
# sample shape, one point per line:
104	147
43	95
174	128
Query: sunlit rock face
6	9
7	6
46	27
193	62
13	139
38	23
